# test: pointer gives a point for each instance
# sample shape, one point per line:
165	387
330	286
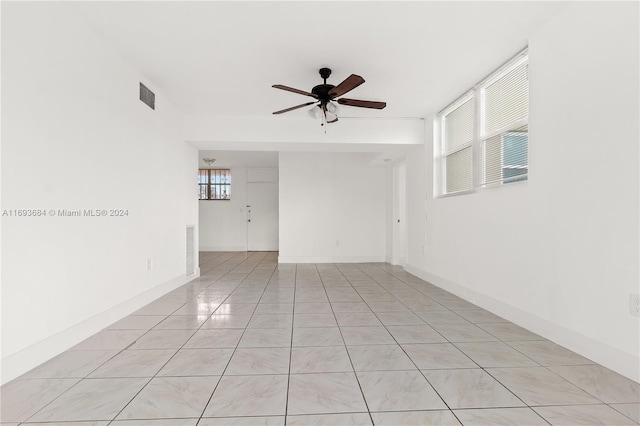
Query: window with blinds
458	135
490	123
214	184
505	102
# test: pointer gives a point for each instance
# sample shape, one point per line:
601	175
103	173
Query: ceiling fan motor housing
322	92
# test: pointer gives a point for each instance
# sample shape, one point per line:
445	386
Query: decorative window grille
214	184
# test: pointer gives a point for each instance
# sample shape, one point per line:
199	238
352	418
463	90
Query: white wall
416	216
559	253
262	131
75	136
388	212
332	208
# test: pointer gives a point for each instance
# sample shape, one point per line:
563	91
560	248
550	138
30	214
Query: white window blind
458	134
459	126
507	98
491	124
459	171
505	132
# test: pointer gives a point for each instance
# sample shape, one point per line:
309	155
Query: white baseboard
26	359
223	248
330	259
619	361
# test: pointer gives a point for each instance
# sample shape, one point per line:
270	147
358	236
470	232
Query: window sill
454	194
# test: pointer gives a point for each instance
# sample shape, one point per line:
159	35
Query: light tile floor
252	342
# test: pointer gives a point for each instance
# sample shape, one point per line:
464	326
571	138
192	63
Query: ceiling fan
325	95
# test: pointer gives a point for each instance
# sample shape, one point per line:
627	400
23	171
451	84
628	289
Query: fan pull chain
324	120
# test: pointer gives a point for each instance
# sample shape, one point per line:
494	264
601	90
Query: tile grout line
237	344
86	377
412	361
347	349
293	319
468	357
388	281
472	360
195	331
482	368
239	340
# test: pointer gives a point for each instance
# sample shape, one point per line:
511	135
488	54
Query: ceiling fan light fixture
331	117
209	161
316	112
332	108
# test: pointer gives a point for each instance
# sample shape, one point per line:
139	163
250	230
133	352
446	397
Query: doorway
399	256
262	210
222	224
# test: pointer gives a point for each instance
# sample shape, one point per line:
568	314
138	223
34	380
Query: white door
400	216
262	216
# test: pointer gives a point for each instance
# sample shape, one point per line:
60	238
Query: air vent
191	251
147	96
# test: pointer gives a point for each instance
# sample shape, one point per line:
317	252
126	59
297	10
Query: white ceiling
216	61
221	58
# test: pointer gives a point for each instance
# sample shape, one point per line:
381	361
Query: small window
214	184
484	136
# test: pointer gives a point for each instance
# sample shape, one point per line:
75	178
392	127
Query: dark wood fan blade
291	89
362	104
347	85
295	107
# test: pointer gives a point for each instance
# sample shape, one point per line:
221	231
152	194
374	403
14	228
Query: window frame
478	93
209	183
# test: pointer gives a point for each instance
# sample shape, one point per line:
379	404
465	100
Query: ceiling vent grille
147	96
